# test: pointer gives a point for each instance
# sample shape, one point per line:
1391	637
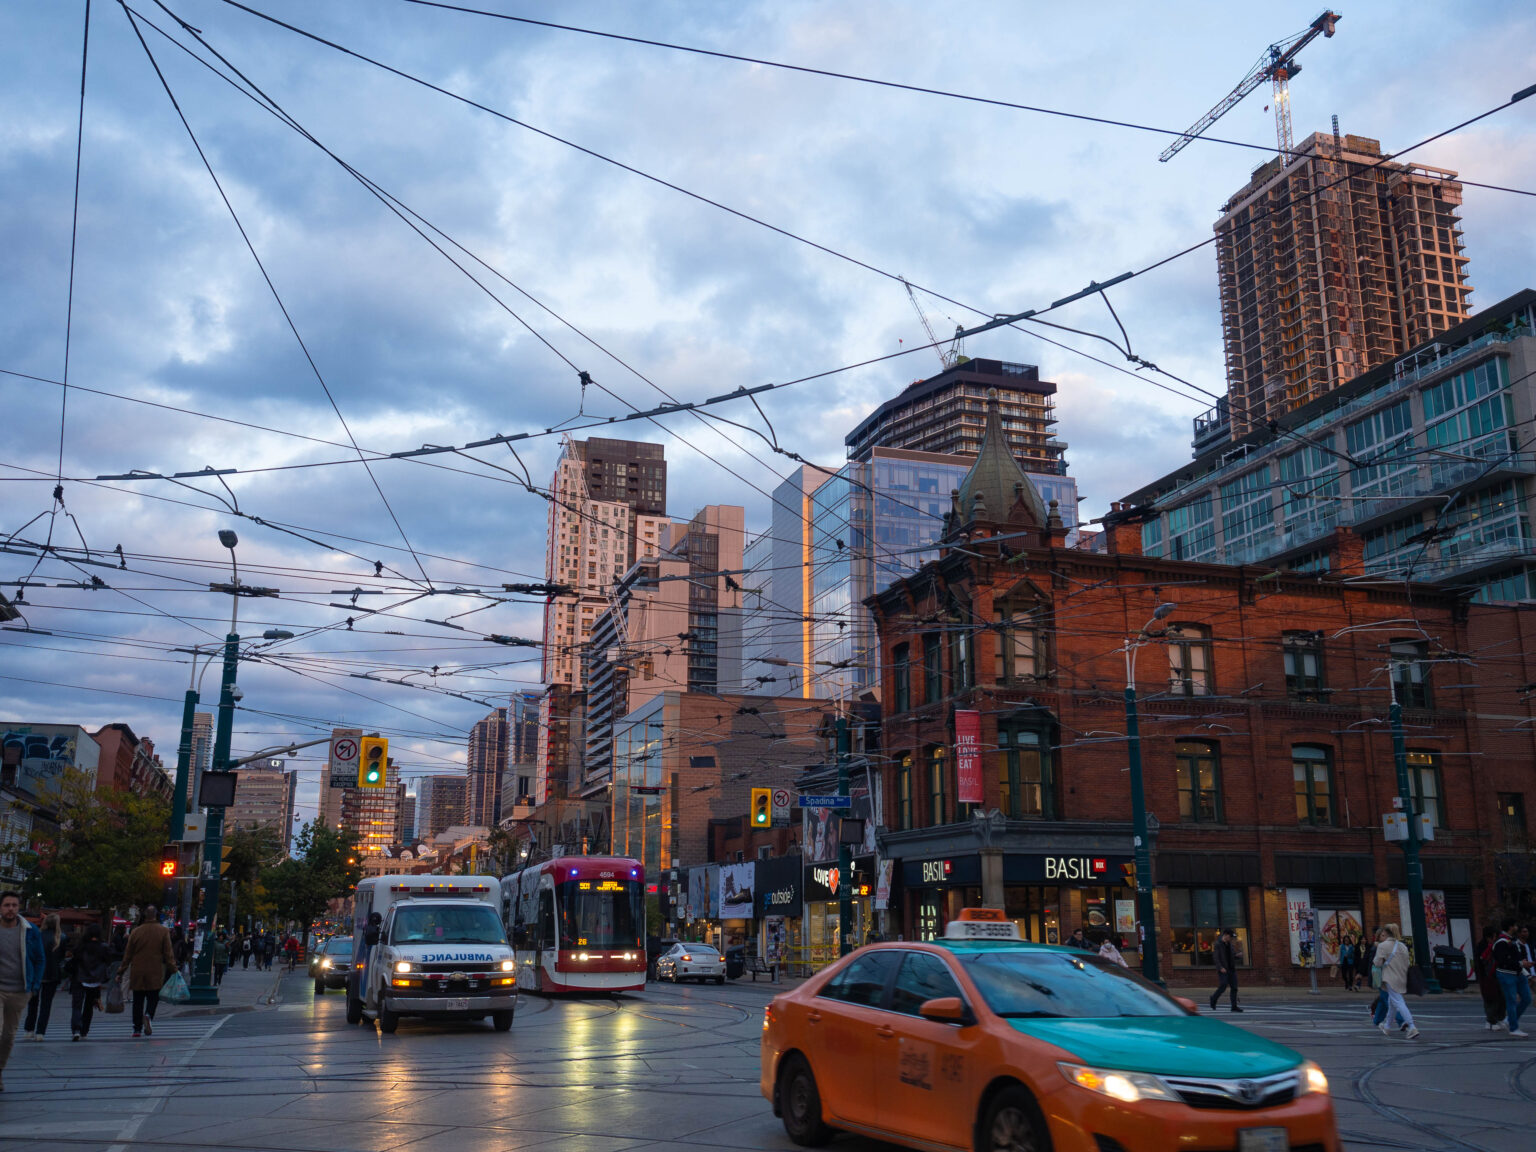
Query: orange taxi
983	1041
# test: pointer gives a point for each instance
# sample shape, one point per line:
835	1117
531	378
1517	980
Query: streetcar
577	924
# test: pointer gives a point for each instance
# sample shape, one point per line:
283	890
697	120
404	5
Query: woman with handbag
89	968
1392	956
149	963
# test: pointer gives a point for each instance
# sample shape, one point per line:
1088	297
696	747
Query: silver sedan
690	961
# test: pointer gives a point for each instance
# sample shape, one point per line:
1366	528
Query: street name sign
826	802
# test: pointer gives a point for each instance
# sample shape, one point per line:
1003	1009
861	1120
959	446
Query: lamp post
1146	910
844	849
1411	863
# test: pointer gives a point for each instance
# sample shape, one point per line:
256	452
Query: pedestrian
40	1006
220	959
1507	965
1079	939
21	970
1392	955
1488	982
273	946
1111	953
1365	960
1527	957
149	962
1347	949
247	946
90	966
1225	955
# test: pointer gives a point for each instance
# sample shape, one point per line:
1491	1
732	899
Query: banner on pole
968	755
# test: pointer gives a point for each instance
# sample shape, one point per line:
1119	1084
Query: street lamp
1146	910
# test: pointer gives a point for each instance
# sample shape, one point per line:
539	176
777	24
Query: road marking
155	1096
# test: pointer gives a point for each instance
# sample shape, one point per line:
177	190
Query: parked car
690	961
330	964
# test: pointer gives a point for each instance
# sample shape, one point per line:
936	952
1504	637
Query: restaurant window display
1037	912
823	887
1197	916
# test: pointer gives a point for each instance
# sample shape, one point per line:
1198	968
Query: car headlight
508	965
1126	1086
1310	1078
325	963
404	966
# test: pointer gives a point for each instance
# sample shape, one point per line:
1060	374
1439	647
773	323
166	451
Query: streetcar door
547	938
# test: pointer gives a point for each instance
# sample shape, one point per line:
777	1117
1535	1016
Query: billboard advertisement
736	882
968	755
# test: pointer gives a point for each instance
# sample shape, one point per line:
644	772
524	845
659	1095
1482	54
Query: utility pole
203	990
1146	908
184	758
844	849
1411	863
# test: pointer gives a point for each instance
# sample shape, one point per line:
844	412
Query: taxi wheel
1013	1124
800	1103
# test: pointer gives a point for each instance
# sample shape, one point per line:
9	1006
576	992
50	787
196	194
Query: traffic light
170	861
762	807
224	858
372	760
1130	875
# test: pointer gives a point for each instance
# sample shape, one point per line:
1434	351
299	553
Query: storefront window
1036	911
928	914
1197	916
1023	775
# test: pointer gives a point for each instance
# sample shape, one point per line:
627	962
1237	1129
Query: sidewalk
243	990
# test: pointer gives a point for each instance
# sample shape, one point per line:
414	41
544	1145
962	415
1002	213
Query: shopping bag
175	989
1416	986
114	999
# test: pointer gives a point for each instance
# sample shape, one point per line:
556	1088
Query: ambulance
432	947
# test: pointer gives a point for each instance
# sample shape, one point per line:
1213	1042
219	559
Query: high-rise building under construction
1332	261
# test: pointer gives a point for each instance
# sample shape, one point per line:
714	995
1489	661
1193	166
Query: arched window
1197	769
1410	673
1312	769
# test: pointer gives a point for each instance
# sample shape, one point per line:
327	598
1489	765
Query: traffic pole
844	850
1411	863
1146	909
203	990
183	763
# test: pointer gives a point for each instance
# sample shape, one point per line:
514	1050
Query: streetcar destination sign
826	802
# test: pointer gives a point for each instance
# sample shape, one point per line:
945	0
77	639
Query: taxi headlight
507	965
1126	1086
1310	1078
403	966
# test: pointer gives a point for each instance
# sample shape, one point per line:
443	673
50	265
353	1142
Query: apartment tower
487	762
1331	263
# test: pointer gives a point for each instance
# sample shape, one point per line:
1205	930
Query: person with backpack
1509	967
1392	956
220	959
247	946
1488	982
90	967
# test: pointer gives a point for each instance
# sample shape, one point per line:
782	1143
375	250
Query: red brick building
128	763
1267	754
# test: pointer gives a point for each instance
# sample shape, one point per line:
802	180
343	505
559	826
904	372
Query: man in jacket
149	961
1225	955
21	970
1508	967
1392	955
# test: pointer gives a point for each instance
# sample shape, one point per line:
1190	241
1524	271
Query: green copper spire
996	483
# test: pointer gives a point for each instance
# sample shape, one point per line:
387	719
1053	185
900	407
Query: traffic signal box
372	762
1130	875
762	807
170	861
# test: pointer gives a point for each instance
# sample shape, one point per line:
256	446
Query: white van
438	949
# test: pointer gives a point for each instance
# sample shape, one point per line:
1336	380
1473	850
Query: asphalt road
672	1068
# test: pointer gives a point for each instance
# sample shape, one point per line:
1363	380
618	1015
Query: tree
248	853
324	865
106	850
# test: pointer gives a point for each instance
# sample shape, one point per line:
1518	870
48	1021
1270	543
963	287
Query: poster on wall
883	884
1436	923
1125	919
736	890
968	755
1298	912
820	826
1333	924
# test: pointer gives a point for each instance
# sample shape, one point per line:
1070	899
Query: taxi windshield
464	924
1058	984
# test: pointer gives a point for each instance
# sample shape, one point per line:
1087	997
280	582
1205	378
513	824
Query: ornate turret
996	490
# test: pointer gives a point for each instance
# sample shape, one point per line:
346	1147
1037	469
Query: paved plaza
670	1068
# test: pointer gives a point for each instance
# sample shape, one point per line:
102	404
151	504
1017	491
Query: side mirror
1187	1004
371	935
946	1010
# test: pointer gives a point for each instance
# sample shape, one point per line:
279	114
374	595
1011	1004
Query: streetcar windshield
601	914
448	924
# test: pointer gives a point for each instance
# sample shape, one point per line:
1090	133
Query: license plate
1262	1140
463	1006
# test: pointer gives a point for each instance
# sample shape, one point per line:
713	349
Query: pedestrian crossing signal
372	760
170	861
762	807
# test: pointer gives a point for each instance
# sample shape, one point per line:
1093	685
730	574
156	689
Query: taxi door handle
885	1031
812	1017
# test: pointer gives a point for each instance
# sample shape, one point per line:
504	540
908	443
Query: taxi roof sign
982	924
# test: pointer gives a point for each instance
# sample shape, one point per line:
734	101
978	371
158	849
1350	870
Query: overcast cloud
1000	209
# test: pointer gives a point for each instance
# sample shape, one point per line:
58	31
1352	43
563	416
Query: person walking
1225	955
40	1006
220	959
1365	959
149	961
1392	955
1507	965
1079	939
1488	982
273	946
21	970
1347	950
1527	957
247	946
90	966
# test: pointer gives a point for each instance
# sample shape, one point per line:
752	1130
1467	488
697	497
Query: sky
553	170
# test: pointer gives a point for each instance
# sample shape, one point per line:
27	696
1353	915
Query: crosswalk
176	1028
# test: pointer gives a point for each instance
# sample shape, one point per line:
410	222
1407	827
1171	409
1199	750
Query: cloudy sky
181	358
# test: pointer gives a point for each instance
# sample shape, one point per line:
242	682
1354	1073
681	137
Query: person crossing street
149	962
1392	955
21	970
1225	955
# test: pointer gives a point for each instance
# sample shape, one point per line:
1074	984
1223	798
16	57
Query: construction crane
1277	65
948	357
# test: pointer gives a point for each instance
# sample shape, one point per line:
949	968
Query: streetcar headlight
1310	1078
1126	1086
581	956
404	966
507	965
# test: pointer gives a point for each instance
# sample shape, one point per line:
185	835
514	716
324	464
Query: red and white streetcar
577	924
